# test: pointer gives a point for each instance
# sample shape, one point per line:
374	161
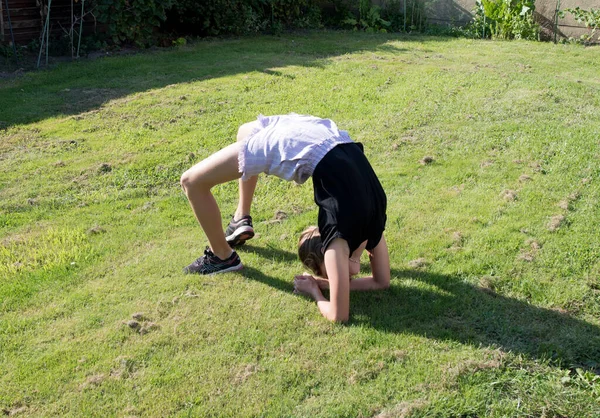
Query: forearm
356	284
323	283
366	283
324	306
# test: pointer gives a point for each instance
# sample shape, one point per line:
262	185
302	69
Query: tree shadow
458	311
257	275
269	252
76	88
446	308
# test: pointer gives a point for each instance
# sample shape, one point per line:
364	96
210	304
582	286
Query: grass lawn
494	308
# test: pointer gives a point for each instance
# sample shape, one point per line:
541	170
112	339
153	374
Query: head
310	250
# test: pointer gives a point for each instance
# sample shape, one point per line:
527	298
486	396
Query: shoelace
208	255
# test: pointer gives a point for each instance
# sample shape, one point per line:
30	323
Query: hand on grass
305	284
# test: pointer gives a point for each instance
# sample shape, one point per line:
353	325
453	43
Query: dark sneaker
238	232
209	263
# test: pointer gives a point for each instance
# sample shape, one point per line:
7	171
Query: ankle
223	255
239	215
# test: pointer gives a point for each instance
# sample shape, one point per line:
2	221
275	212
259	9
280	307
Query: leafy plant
590	18
369	18
132	20
241	17
505	19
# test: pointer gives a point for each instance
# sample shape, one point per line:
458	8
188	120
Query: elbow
384	285
338	317
383	281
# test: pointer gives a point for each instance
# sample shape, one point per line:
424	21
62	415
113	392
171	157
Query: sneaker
238	232
209	263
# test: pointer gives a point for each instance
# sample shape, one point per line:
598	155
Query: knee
187	182
245	130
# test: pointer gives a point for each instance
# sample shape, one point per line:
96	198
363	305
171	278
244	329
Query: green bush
591	20
392	16
132	20
504	19
240	17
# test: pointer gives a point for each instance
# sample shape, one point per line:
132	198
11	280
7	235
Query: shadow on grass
268	253
80	87
462	312
453	310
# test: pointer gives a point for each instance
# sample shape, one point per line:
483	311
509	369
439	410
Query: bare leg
220	167
246	187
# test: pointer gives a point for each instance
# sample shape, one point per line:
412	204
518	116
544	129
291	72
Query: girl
351	202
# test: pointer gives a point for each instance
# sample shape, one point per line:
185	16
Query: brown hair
310	249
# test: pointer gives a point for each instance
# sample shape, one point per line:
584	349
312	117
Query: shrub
240	17
590	18
405	16
132	20
504	19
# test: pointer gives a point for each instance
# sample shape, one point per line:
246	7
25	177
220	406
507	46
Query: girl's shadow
447	308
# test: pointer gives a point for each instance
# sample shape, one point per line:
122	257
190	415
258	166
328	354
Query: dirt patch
418	263
15	411
509	195
125	369
95	230
279	217
242	375
93	381
140	324
138	316
488	284
133	324
148	327
365	374
529	254
537	167
524	178
104	168
526	256
428	159
564	204
403	409
457	189
454	371
556	222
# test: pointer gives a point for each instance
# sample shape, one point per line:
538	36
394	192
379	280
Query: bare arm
336	263
354	259
380	268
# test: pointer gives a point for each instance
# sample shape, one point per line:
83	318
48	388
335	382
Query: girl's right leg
220	167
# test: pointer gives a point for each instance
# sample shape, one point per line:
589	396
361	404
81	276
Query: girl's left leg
220	167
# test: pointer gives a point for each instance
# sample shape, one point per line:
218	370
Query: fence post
1	23
556	19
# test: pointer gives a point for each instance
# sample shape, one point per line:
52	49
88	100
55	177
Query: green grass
498	317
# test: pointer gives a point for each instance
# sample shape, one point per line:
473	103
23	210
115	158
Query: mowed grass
494	305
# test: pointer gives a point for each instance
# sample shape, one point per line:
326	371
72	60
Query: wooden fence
27	18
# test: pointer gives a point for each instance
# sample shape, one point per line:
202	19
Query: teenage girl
351	201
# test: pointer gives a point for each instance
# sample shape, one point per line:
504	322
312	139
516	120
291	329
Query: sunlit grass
494	242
